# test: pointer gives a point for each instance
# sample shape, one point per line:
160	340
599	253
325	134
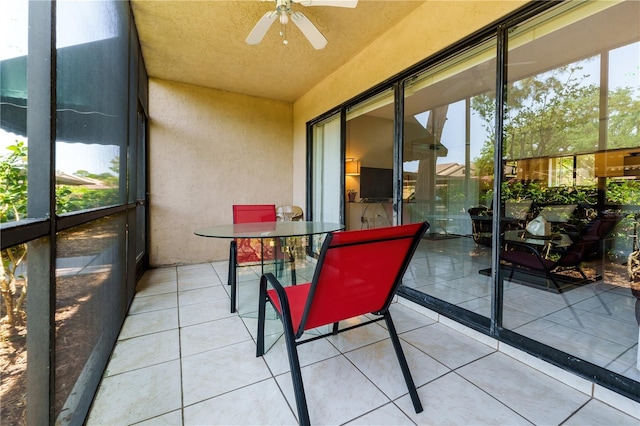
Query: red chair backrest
358	272
250	250
251	213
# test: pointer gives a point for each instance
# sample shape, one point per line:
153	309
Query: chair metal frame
332	295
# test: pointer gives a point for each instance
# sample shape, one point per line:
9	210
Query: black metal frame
292	335
233	256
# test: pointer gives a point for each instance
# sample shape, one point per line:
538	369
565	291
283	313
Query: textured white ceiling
202	43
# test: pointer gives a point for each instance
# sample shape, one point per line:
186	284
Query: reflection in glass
91	128
325	189
448	176
568	129
369	141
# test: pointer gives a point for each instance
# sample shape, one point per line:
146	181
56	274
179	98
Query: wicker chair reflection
357	273
292	247
526	258
289	213
481	225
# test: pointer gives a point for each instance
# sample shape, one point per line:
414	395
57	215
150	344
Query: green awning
91	100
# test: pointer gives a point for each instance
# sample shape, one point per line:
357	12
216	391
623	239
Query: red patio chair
248	251
357	273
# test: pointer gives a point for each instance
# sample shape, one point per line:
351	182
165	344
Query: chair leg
262	302
417	405
292	352
296	373
292	262
334	329
233	255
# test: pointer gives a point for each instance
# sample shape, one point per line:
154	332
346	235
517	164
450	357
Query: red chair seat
296	295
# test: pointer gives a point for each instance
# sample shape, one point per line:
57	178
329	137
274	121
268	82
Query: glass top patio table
262	231
269	229
547	242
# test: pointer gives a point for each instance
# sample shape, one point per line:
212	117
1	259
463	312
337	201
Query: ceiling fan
284	14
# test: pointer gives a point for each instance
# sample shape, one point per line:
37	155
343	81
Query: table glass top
558	240
268	229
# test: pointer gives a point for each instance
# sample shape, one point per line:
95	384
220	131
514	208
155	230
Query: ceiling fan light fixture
284	14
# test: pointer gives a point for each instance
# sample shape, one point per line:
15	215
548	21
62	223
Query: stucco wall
430	28
209	150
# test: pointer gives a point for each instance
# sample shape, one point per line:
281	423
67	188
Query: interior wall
429	29
370	141
208	150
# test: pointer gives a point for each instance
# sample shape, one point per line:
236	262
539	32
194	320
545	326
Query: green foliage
557	113
624	192
71	198
554	113
13	174
13	198
619	192
551	113
13	206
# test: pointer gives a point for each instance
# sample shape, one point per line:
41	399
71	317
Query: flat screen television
376	184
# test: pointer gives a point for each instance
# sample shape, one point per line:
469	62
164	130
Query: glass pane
326	163
369	144
90	284
569	128
14	25
448	176
326	192
91	118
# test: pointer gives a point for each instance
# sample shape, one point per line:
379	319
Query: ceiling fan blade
310	31
257	33
336	3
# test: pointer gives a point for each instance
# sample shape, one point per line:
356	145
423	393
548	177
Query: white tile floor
183	359
578	321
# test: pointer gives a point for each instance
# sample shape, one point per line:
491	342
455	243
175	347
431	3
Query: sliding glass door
571	150
447	178
326	187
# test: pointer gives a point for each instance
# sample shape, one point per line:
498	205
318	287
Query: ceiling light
352	167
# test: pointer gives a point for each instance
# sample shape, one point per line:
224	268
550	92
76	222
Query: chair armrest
270	279
522	245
